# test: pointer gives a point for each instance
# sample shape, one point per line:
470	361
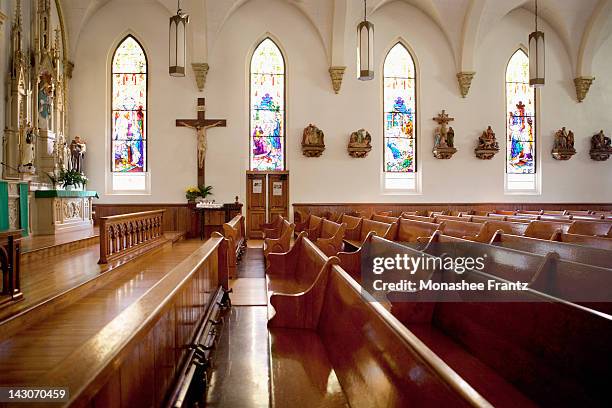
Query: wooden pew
280	244
384	218
491	227
500	217
131	234
234	232
350	221
297	269
545	229
440	218
531	350
335	346
570	252
462	229
600	229
356	236
310	223
137	358
273	229
415	231
330	237
584	240
418	218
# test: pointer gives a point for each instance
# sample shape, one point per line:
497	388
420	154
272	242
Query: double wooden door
267	197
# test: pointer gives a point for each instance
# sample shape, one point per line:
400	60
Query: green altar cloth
64	193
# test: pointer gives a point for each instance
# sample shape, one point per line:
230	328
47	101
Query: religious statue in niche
444	137
600	147
77	154
487	145
360	144
45	101
563	147
313	143
28	152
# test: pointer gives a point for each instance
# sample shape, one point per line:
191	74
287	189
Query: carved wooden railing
122	235
10	254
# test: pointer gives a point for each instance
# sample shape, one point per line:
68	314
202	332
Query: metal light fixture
537	65
365	48
178	42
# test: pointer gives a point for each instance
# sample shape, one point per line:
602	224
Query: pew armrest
279	245
283	264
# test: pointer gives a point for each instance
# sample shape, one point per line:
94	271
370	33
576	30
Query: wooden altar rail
10	264
137	358
122	235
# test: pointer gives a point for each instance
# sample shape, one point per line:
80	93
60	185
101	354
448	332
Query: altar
62	210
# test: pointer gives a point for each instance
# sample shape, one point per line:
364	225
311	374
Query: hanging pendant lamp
537	60
365	48
178	42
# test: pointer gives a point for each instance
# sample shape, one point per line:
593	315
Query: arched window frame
394	182
120	182
282	112
515	182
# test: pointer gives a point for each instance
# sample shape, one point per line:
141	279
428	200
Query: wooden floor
32	352
249	289
32	243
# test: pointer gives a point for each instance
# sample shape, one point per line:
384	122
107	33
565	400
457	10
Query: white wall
335	177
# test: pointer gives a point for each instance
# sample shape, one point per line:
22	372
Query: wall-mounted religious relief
563	147
444	137
487	145
360	144
34	134
313	143
600	147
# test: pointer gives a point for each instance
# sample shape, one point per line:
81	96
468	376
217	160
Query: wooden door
278	195
256	203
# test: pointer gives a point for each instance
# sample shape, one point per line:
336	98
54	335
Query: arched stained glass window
129	109
267	130
399	89
521	117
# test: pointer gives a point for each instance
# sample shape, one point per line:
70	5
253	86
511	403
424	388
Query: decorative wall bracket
465	81
200	69
336	74
583	84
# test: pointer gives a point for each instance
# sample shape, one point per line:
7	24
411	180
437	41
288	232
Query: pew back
382	229
545	229
410	231
350	221
461	229
584	240
384	218
601	229
514	228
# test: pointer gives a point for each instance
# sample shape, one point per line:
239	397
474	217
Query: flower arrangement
71	178
193	192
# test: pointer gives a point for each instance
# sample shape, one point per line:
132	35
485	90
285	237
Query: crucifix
201	124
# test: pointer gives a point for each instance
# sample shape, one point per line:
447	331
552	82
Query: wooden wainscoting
397	208
176	218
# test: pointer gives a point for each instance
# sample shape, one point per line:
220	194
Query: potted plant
70	179
194	193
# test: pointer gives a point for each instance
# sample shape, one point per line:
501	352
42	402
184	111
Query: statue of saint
28	152
450	137
77	153
45	101
202	142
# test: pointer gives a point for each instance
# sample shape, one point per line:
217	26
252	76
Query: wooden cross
443	118
201	124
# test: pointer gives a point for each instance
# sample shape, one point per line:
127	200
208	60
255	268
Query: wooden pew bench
418	218
440	218
462	229
545	229
273	229
569	252
311	223
330	237
334	346
584	240
297	269
418	232
593	228
356	236
384	218
350	221
280	244
234	232
492	226
537	352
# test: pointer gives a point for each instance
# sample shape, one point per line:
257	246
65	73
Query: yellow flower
192	189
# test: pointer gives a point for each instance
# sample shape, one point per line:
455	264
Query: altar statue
77	154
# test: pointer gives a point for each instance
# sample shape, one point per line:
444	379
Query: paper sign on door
277	188
257	186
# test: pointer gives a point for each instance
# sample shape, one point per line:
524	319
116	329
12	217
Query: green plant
193	192
205	191
71	178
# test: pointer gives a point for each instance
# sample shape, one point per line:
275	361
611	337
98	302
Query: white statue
28	153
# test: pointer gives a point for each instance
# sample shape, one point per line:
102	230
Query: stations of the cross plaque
201	125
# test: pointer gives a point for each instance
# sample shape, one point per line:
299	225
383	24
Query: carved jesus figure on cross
201	125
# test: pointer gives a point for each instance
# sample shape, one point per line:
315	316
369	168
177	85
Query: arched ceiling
581	25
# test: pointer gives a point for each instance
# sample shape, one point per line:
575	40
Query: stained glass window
267	132
399	111
129	108
520	108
